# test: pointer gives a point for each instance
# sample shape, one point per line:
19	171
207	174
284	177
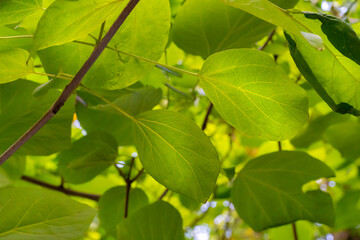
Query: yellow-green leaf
253	94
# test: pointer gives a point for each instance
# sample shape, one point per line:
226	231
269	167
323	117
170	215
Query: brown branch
72	85
268	40
61	188
120	172
127	197
294	231
163	194
206	119
137	175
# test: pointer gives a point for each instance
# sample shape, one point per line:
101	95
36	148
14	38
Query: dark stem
69	89
120	172
268	40
137	176
130	168
163	194
127	196
61	188
206	119
279	146
294	231
128	188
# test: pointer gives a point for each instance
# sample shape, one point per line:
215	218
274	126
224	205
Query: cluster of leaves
199	115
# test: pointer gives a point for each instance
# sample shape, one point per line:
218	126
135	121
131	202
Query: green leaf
11	170
13	38
13	64
13	11
88	157
67	20
253	94
105	118
333	76
112	205
175	152
268	12
342	136
114	70
340	34
19	110
158	221
267	191
348	210
327	71
203	27
37	214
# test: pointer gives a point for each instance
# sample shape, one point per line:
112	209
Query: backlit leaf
158	221
253	94
66	20
175	152
203	27
114	70
267	191
13	11
37	214
88	157
112	206
19	110
13	64
104	118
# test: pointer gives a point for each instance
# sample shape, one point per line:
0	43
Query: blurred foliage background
330	137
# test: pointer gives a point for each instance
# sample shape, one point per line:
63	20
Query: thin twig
69	89
157	64
60	188
120	172
163	194
127	198
137	175
268	40
294	231
179	91
128	188
206	119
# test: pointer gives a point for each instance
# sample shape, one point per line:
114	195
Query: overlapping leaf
66	20
88	157
13	65
114	70
203	27
11	170
158	221
13	11
36	214
269	12
335	77
175	152
267	191
112	206
105	118
19	110
253	94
